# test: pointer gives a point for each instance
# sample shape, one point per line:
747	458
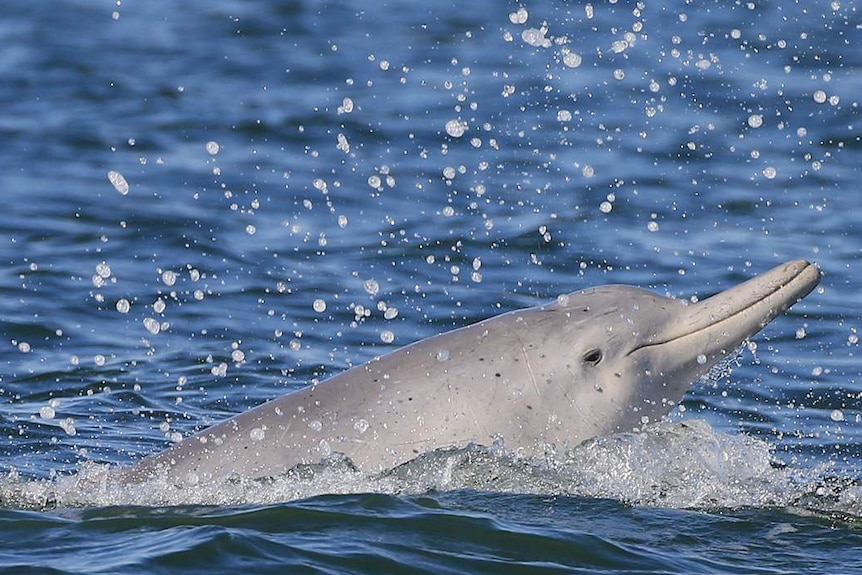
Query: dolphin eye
593	357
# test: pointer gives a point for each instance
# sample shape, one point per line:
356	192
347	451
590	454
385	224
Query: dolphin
595	362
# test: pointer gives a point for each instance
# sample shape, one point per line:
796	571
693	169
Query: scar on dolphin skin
529	367
627	356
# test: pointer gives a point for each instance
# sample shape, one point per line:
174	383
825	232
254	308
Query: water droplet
755	120
68	425
536	37
371	287
119	182
443	355
257	434
343	143
152	325
319	305
572	60
519	17
836	415
618	47
346	106
361	426
456	128
103	270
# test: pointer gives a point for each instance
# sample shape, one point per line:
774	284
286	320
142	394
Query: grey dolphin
594	362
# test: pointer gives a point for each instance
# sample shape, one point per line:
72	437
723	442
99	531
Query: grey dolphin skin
595	362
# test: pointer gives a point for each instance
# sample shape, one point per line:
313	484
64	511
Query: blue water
310	185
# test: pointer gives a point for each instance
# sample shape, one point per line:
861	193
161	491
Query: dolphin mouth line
765	297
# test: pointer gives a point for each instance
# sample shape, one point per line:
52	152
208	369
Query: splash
672	464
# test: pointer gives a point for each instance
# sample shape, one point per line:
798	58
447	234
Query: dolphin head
631	354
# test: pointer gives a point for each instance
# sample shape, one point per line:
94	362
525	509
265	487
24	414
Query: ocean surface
208	204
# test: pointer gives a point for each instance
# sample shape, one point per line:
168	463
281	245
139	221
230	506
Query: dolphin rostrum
594	362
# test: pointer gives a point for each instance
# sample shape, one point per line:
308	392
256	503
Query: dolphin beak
718	325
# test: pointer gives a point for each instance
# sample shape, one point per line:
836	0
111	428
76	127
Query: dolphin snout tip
799	266
809	273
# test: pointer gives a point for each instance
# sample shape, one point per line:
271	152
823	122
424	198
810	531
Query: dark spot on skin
529	406
497	374
409	399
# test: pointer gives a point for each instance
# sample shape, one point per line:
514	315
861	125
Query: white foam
672	464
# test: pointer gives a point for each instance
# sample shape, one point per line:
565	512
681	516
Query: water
312	185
